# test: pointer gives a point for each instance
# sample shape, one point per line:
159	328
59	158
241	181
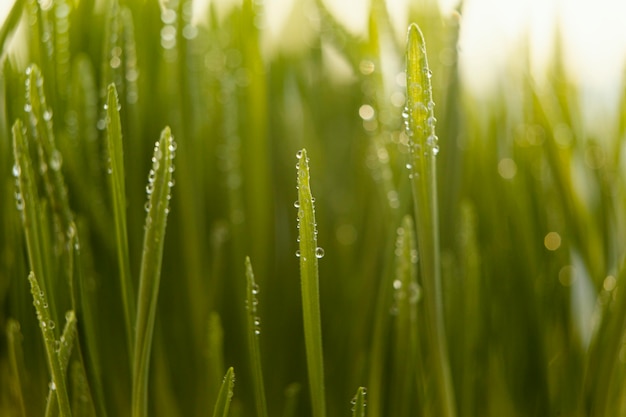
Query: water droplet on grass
299	154
16	170
319	252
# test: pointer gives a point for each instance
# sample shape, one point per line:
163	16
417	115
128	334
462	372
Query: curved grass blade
358	402
423	148
253	320
47	330
16	363
118	192
309	253
159	187
225	395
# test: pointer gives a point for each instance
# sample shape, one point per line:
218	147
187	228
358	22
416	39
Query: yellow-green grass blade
358	402
47	326
225	395
424	147
11	23
309	253
254	330
292	393
157	207
118	193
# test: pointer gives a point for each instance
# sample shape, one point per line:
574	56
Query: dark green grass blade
159	192
358	402
118	193
292	393
254	330
81	406
16	362
225	395
423	150
47	326
308	253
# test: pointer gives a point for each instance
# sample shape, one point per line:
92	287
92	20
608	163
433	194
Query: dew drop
47	115
409	166
319	252
51	325
52	386
299	154
16	170
298	253
27	108
255	288
296	204
56	160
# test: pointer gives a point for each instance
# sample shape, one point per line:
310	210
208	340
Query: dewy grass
518	222
118	196
254	330
308	253
159	188
424	147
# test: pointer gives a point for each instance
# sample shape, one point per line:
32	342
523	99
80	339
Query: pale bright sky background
595	34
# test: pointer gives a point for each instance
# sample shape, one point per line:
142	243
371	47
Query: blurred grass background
531	210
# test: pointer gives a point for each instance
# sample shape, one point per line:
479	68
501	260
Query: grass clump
473	271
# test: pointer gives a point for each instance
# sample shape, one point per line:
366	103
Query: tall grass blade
81	405
225	395
254	330
16	364
358	402
159	187
47	326
423	148
309	253
118	194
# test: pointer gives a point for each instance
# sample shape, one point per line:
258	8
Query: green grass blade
225	395
292	393
46	325
423	150
254	330
64	350
81	405
358	402
159	187
118	193
309	253
28	200
16	363
406	296
215	355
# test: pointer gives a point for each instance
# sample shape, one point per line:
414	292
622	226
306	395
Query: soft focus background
530	110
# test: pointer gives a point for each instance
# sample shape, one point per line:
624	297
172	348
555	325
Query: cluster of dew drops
425	110
353	401
319	251
156	164
252	308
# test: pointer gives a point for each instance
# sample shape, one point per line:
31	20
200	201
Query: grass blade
47	330
64	350
16	363
309	253
225	395
358	402
159	187
118	192
253	320
27	200
215	355
292	392
423	150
